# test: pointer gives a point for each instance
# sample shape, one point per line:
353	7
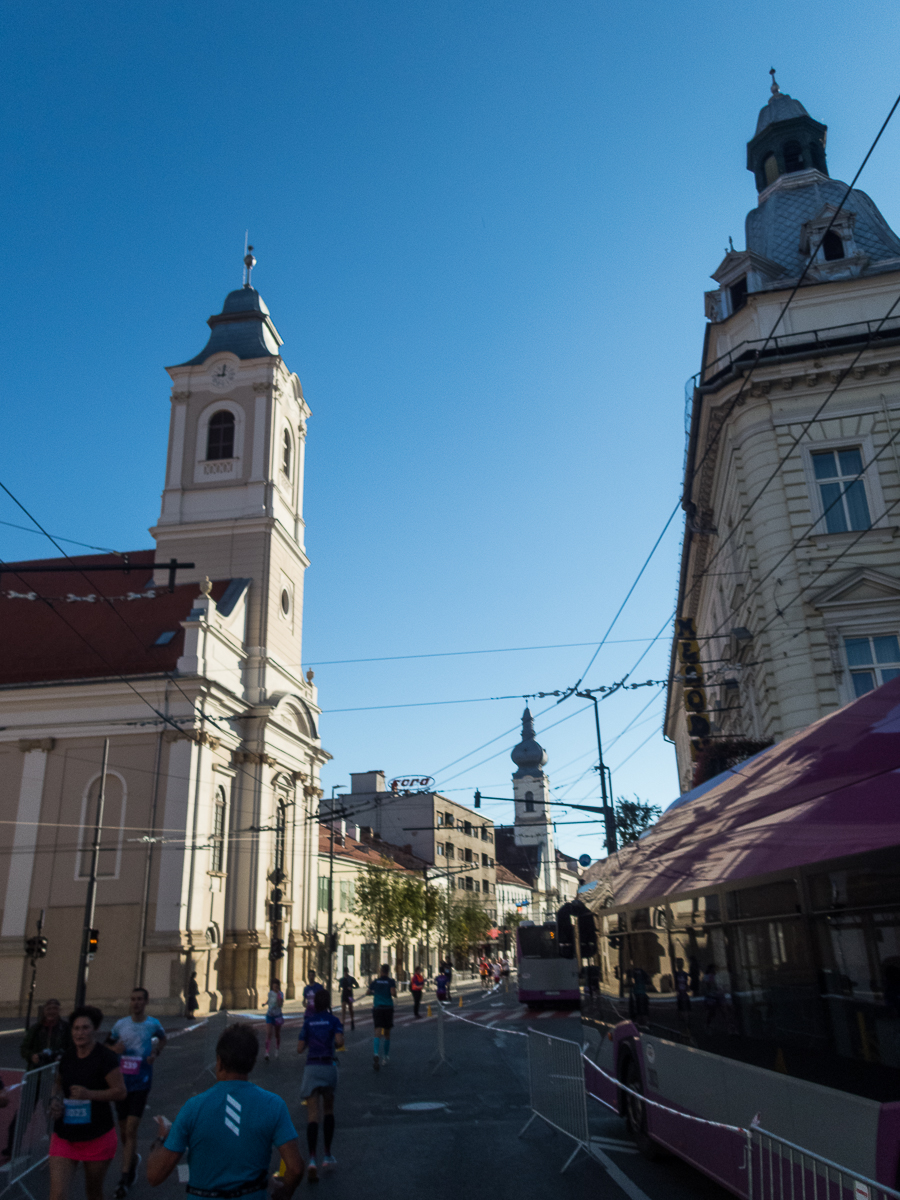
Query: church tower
533	826
233	498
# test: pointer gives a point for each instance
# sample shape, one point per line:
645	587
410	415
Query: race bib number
76	1112
129	1065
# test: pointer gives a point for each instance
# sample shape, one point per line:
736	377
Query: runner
139	1040
84	1130
274	1015
483	971
309	992
442	987
229	1131
496	972
383	990
416	987
321	1032
504	963
347	983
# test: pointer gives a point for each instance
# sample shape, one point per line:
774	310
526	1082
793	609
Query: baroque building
789	585
209	843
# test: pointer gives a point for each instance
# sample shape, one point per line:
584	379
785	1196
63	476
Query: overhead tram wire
86	545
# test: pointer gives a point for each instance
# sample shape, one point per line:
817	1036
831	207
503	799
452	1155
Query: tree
374	903
469	924
633	817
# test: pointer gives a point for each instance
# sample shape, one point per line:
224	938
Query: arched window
286	454
770	167
529	801
832	246
793	156
217	836
220	435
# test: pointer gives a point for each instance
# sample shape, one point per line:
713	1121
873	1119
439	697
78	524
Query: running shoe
121	1189
329	1161
386	1060
376	1063
312	1171
267	1058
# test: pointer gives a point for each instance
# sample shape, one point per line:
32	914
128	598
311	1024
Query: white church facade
209	841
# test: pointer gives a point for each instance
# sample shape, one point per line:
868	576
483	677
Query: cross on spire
775	89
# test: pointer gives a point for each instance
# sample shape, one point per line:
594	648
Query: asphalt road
385	1150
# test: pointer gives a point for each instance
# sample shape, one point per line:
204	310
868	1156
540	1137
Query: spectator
48	1039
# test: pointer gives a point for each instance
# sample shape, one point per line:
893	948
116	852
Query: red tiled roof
80	639
372	852
504	875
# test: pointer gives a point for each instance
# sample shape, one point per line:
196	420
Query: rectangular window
440	849
469	883
484	833
348	895
476	885
217	837
368	959
485	861
323	893
872	661
467	828
842	494
451	853
468	855
448	820
462	884
440	820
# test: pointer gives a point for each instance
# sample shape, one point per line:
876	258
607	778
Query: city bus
748	956
548	972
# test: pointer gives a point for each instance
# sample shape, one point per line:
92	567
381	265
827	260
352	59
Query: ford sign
412	783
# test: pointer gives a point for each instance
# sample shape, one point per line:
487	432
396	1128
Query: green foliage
633	817
374	902
469	924
512	920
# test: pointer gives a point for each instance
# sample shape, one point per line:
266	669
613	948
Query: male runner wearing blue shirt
229	1131
383	990
138	1040
321	1032
309	992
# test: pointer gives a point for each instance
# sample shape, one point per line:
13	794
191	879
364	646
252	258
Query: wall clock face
222	376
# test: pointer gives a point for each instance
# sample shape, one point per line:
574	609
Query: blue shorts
318	1075
274	1019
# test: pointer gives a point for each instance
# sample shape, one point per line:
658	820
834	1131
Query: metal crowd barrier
779	1170
31	1139
556	1085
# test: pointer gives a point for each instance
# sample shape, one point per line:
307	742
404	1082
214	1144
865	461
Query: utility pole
38	948
87	938
609	816
330	944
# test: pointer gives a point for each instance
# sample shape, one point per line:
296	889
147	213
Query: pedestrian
274	1015
193	991
347	983
309	992
48	1039
442	986
139	1040
448	971
321	1033
383	991
88	1079
505	971
682	983
416	987
229	1130
640	1002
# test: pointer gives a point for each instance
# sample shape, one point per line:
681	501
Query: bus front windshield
538	941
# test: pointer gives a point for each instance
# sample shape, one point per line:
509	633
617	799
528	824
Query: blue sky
484	230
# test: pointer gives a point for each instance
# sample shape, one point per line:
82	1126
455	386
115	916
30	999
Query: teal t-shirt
381	992
229	1133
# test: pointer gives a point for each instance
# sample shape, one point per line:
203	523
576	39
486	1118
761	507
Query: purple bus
748	956
548	973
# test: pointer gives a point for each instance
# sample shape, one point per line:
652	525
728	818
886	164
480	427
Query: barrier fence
31	1137
557	1091
776	1169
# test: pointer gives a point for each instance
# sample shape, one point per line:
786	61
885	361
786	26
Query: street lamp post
609	816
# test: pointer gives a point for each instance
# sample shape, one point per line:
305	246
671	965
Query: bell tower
233	497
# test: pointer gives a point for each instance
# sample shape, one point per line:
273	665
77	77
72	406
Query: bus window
860	954
770	900
859	887
538	941
775	982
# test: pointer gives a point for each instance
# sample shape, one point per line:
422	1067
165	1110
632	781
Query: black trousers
417	1000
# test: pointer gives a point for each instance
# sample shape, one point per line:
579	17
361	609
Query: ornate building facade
210	831
789	588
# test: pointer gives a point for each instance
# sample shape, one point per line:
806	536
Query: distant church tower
533	825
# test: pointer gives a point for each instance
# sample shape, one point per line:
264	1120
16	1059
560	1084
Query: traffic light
477	799
93	940
276	913
276	949
36	947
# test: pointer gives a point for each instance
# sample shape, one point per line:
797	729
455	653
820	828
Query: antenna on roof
249	260
775	88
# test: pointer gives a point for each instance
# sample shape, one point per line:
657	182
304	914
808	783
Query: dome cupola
787	139
529	756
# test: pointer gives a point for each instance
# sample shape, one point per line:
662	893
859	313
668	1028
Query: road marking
422	1106
617	1175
